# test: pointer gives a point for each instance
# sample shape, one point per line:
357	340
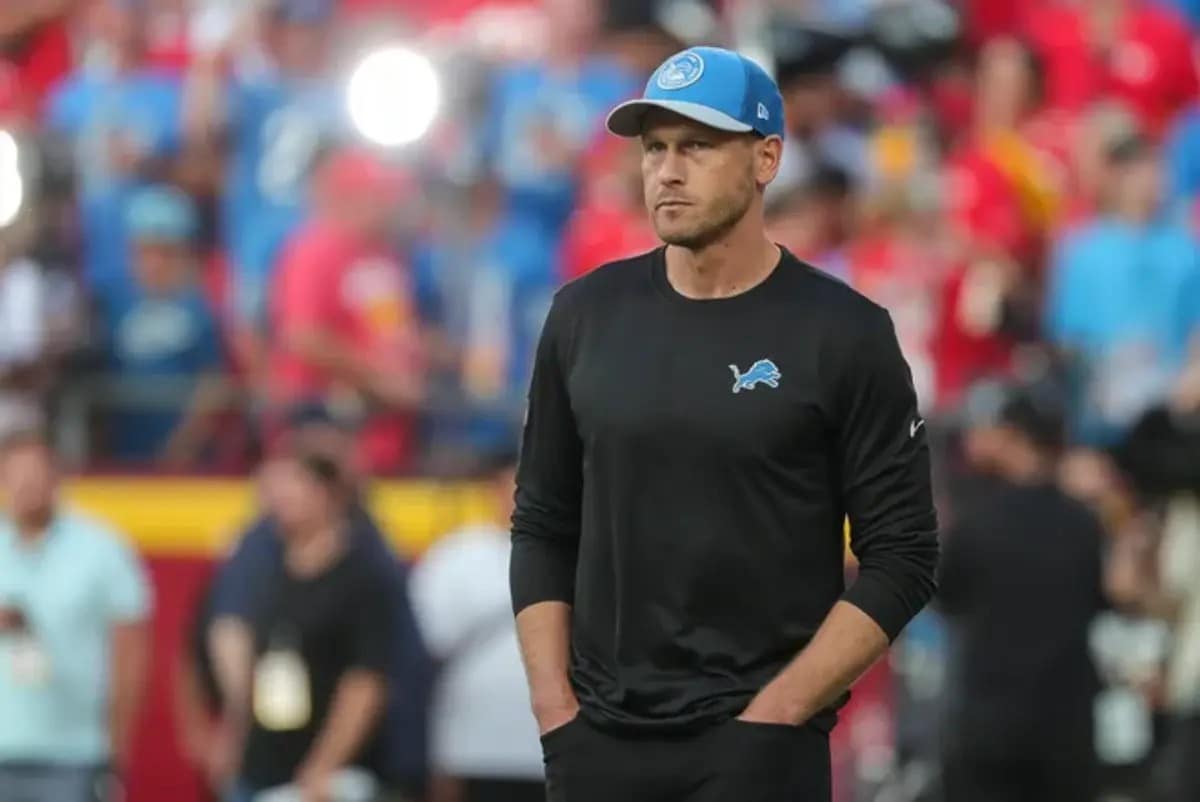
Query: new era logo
763	114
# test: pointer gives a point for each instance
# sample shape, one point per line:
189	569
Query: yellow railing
200	517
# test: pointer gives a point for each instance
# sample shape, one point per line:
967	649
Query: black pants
482	790
732	762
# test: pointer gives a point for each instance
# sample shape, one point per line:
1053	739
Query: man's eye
697	144
655	147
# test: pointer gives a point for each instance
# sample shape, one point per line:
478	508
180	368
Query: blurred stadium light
12	185
393	96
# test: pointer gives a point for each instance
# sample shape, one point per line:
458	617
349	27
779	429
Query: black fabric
698	531
730	761
342	620
1020	584
1064	771
478	789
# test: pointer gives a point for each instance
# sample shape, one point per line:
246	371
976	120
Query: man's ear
768	154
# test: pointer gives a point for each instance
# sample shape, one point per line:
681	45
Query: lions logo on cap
683	70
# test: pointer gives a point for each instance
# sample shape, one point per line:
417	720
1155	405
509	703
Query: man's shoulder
607	280
835	300
90	534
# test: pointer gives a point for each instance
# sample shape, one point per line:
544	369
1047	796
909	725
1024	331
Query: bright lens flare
12	187
393	96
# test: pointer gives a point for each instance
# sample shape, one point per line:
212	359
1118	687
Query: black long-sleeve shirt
686	471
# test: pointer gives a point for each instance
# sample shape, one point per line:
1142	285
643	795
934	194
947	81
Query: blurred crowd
201	245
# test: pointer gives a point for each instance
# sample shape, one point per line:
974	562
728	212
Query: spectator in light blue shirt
1124	300
74	605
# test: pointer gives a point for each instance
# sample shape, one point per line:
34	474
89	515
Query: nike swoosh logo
914	427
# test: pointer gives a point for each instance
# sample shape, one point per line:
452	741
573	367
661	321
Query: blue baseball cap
161	214
711	85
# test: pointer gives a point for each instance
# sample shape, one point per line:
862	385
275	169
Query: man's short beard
730	213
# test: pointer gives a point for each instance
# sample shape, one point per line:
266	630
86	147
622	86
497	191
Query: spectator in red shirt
1133	50
343	314
611	223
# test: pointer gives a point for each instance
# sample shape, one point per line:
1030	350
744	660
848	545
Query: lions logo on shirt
683	70
763	371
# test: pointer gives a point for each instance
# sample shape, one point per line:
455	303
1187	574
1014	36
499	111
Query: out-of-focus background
220	216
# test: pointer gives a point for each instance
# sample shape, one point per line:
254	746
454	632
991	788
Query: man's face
160	267
1139	184
28	478
698	181
1004	83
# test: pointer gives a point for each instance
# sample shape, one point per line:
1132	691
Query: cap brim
626	119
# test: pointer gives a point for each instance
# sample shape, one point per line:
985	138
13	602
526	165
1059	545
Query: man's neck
33	527
312	553
730	266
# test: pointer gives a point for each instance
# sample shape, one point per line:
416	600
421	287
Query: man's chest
55	596
750	390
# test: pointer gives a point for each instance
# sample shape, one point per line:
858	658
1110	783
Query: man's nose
671	171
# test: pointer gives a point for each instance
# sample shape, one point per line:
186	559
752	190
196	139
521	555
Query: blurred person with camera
121	121
163	338
1123	301
322	642
239	593
485	740
74	640
345	329
1021	580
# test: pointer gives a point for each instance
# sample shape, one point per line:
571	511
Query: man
678	534
74	605
164	337
484	745
237	596
345	325
323	642
1024	560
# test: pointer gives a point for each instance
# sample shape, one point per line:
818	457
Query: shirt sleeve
546	518
127	590
240	580
371	619
883	458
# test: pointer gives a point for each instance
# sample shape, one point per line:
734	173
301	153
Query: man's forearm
232	647
357	705
847	644
544	630
130	662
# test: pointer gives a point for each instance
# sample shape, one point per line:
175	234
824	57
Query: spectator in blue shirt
486	281
122	121
544	113
237	596
275	116
164	343
1124	299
